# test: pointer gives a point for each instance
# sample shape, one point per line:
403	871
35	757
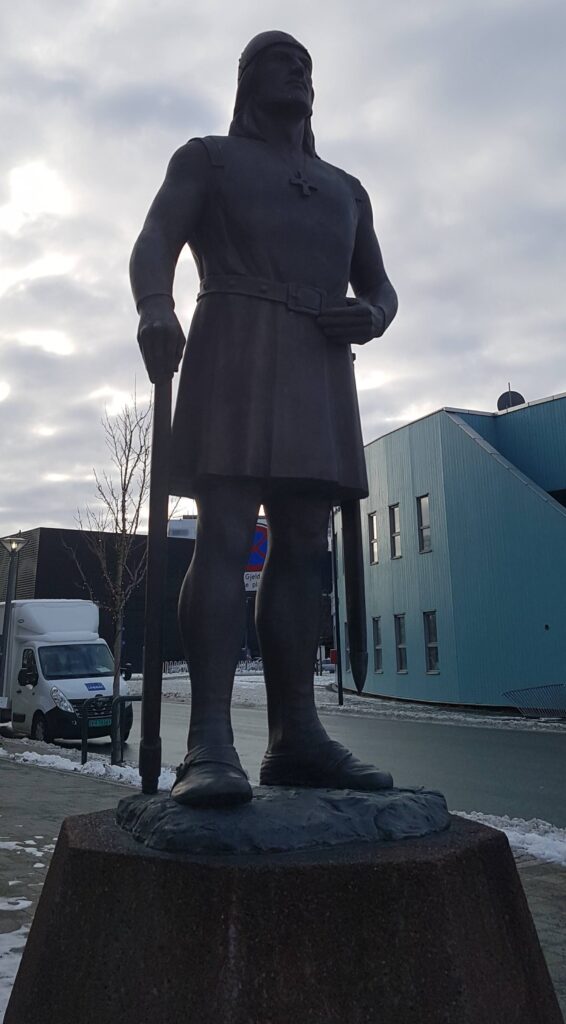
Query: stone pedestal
433	930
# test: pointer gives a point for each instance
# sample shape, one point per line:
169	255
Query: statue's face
282	79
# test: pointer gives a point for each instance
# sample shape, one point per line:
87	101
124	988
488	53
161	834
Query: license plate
98	723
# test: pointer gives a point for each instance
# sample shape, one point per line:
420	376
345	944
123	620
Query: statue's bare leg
288	609
211	621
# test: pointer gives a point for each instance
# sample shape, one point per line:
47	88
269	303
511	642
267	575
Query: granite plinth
282	819
433	930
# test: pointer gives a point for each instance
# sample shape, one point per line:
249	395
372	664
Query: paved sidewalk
33	803
36	800
545	888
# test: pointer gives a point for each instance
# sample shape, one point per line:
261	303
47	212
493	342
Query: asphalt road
518	773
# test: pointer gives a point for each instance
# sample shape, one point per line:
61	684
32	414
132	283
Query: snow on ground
16	903
249	691
536	838
11	949
26	860
97	767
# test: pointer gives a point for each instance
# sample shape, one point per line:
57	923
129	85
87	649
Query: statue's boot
211	777
325	764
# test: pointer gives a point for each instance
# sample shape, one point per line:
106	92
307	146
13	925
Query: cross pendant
303	184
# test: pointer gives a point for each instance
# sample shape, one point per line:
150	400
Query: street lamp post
13	546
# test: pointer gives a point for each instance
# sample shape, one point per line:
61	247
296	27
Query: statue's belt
300	298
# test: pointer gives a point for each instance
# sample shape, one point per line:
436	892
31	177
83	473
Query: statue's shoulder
198	154
214	146
188	161
219	147
354	184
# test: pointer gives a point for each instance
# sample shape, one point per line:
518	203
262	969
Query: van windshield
75	661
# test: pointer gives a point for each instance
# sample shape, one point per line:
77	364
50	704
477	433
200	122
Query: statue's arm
370	313
170	223
367	273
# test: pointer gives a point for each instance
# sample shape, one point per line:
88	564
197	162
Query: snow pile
30	848
536	838
403	710
95	767
14	903
249	688
249	691
11	949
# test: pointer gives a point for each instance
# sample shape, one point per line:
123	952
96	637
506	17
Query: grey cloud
20	251
50	301
451	114
75	233
499	58
141	105
34	85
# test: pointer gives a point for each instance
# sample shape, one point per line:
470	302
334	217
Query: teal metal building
465	556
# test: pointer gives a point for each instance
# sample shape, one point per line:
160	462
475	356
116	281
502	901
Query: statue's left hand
353	324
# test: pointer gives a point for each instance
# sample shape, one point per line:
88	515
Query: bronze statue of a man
267	410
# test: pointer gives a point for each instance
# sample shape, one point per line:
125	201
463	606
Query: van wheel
40	729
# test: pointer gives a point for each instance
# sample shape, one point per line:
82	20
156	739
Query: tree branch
121	493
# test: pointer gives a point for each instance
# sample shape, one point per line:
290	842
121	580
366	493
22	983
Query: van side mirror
127	671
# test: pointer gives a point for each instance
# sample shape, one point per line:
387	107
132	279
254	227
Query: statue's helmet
244	121
261	42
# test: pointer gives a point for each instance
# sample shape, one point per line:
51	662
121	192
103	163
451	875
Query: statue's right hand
160	337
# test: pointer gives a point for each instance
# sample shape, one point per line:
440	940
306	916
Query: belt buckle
304	299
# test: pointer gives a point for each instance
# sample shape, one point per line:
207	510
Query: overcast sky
450	111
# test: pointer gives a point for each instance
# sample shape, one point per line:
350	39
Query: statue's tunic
263	393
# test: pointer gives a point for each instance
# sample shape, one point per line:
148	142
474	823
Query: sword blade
355	591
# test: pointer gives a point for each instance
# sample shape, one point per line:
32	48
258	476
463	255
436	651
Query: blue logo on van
95	686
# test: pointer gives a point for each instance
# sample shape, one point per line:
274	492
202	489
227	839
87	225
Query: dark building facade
48	568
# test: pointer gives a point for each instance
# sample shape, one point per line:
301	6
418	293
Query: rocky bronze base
421	931
281	819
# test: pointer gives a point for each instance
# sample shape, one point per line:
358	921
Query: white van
57	669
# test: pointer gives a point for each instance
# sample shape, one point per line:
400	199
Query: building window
377	647
431	641
372	533
346	647
395	531
400	643
423	520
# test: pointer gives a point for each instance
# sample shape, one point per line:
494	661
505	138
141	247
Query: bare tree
110	525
